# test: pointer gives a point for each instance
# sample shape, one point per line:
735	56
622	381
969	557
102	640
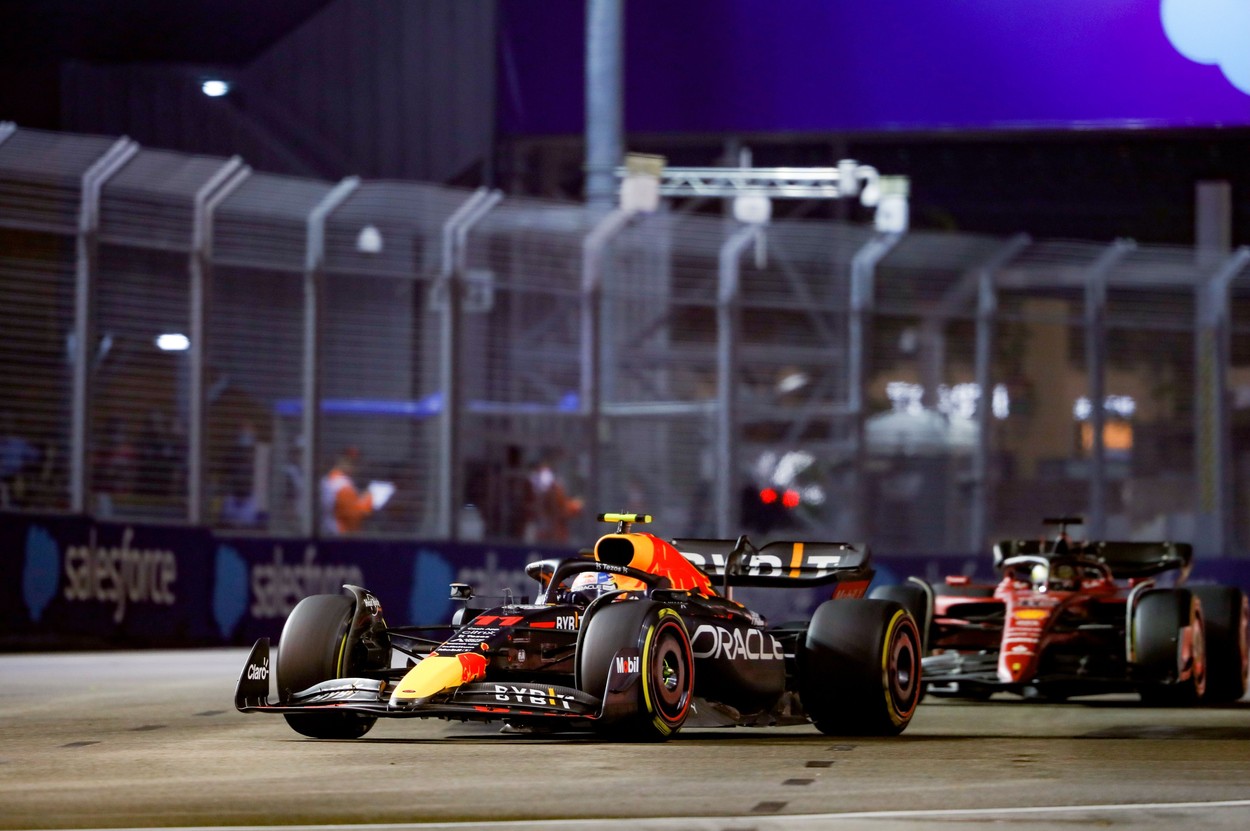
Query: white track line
758	821
1041	809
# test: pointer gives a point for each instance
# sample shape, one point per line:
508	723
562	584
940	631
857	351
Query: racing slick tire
912	598
666	683
1225	615
1172	668
312	649
860	669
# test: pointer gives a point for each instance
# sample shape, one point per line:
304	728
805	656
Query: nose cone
437	673
1016	663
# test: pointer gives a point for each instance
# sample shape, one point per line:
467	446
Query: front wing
979	670
480	701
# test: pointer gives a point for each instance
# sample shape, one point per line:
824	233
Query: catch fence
191	341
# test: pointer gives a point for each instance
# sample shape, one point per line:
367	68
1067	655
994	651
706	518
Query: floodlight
173	342
369	240
215	87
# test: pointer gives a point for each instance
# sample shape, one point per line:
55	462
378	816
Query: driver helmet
594	583
1039	573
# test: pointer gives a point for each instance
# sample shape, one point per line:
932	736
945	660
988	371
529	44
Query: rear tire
1173	672
860	669
912	598
313	648
666	686
1224	614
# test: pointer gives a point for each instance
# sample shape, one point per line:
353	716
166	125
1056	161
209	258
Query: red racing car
1071	618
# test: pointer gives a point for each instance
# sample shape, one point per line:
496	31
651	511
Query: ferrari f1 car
1079	618
634	639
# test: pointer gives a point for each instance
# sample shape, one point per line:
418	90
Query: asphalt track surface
151	739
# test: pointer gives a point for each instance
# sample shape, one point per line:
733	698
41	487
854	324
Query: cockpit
1054	574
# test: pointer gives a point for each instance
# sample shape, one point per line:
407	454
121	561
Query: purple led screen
886	65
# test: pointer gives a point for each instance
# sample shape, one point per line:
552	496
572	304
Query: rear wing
1127	560
777	564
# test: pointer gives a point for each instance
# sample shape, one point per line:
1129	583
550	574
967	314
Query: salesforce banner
103	582
258	581
74	582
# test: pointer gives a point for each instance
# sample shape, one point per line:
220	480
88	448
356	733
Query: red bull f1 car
1073	618
633	639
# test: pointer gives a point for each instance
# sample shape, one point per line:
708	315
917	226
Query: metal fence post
604	109
863	276
1096	370
314	292
987	316
594	246
727	337
93	180
207	198
451	284
1213	527
449	360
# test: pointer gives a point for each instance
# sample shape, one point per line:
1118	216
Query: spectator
343	507
118	465
550	506
17	458
158	456
239	505
514	500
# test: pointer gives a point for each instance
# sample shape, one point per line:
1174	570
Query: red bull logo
472	666
438	673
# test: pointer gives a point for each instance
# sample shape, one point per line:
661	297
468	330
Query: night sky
1094	183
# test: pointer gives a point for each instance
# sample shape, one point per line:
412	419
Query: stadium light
369	240
173	342
215	87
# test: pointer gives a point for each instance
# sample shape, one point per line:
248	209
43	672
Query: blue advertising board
72	582
259	581
104	583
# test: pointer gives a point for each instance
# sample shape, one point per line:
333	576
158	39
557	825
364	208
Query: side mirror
461	591
541	570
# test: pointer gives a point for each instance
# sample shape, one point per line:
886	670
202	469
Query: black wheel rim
904	665
670	672
1198	655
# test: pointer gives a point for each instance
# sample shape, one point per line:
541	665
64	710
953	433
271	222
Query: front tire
666	684
1224	614
313	648
1170	645
860	668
